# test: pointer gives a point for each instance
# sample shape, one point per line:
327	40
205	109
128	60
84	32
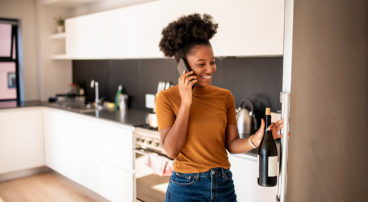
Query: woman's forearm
239	145
177	136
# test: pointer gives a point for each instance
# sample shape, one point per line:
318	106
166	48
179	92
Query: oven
148	187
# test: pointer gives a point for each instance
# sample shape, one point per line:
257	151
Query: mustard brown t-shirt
212	109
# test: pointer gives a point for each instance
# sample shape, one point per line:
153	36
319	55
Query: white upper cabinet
248	27
135	31
86	37
173	9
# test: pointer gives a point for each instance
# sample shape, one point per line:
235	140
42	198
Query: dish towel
159	164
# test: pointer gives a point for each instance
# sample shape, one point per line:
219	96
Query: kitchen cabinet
248	27
115	184
245	173
21	139
94	153
129	32
173	9
86	36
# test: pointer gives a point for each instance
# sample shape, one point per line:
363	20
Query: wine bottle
267	156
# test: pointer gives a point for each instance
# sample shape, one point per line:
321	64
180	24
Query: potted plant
60	24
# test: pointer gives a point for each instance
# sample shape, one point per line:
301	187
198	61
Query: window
9	74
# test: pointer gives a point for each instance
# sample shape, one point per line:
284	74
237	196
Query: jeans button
213	172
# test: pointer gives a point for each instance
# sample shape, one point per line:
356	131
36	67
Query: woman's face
202	63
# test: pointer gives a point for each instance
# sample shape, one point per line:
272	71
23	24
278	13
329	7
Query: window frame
15	41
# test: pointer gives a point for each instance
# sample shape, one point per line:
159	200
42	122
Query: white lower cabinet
115	184
94	153
245	173
21	139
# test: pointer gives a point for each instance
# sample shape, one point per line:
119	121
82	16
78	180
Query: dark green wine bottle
267	156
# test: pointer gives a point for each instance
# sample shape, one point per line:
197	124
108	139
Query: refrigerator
324	102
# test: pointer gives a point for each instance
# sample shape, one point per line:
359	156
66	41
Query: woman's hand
185	88
274	127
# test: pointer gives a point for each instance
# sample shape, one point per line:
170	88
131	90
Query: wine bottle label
272	166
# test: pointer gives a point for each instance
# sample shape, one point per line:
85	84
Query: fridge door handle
284	147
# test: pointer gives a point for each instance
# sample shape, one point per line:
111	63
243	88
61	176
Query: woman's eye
200	64
212	63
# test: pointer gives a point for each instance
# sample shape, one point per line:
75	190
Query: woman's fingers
191	83
184	75
187	80
277	126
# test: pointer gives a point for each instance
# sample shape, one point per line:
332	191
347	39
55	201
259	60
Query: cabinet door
134	31
248	27
71	146
116	146
245	174
121	37
115	184
150	25
21	139
76	146
86	37
173	9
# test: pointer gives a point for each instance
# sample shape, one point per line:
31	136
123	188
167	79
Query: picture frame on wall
12	80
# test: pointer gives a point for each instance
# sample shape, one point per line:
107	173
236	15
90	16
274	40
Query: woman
197	126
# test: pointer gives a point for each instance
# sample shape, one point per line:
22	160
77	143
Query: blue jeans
214	185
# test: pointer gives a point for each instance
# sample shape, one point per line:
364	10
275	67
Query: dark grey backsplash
259	79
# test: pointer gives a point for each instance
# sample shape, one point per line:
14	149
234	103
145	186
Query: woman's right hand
185	87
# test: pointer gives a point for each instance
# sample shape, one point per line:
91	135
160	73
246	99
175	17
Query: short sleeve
231	113
165	113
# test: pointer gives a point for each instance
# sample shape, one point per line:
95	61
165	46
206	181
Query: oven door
148	186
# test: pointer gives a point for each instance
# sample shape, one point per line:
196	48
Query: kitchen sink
80	108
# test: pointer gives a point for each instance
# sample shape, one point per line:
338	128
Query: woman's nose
209	69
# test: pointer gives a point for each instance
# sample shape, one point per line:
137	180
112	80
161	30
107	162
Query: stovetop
146	126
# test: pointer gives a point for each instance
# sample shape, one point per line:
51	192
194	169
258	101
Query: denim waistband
213	173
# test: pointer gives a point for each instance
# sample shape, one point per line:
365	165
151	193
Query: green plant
59	21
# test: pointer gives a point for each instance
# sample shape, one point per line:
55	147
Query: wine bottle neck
268	122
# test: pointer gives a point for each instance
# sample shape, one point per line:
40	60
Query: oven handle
146	152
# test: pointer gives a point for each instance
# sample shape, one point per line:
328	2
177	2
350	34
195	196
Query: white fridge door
285	98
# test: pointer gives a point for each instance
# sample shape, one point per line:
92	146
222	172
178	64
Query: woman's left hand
274	127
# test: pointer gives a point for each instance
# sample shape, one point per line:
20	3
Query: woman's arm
236	145
173	138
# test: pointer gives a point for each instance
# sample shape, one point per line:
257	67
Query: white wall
56	75
42	76
25	11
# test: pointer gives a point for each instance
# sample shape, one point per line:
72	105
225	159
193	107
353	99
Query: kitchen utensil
167	86
152	120
245	117
123	104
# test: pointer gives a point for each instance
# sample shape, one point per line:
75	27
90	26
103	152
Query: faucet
95	84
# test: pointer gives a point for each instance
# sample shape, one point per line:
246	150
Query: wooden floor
41	188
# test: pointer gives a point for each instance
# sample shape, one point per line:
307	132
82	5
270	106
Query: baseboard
23	173
80	187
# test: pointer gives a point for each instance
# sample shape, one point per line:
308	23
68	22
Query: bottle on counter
117	97
267	156
81	89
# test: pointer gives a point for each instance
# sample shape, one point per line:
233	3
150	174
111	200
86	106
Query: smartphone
184	66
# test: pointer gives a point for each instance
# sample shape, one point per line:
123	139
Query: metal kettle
245	118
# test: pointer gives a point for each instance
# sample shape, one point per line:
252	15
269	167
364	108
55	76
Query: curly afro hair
180	37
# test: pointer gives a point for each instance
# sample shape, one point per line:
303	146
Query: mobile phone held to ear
183	66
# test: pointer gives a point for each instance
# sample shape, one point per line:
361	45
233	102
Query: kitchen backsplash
259	79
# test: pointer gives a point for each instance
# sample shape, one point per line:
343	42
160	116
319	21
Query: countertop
131	117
